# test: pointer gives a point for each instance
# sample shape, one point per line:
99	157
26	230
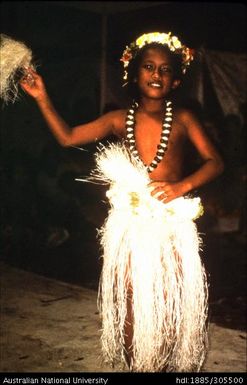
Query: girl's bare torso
148	134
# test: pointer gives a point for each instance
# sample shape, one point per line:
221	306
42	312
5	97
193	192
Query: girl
153	290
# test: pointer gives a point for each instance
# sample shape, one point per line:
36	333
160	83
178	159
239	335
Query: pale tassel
15	57
154	247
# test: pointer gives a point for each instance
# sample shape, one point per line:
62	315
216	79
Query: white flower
172	42
176	43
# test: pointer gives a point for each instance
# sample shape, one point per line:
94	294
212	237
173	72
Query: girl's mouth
154	84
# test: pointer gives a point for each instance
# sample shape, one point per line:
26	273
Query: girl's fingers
30	69
157	189
163	196
153	184
30	79
29	72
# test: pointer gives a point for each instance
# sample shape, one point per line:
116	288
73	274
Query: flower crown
166	39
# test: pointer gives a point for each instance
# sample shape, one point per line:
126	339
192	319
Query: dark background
49	220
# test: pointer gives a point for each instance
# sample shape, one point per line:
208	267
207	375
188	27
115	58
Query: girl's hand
166	191
33	84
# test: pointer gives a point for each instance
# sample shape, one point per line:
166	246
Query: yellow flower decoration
172	42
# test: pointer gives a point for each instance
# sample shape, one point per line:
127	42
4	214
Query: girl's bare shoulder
183	114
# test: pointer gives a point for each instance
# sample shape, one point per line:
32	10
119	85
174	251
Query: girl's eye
148	66
162	70
166	70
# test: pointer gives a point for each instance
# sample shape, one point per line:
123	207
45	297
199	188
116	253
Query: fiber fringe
15	57
153	248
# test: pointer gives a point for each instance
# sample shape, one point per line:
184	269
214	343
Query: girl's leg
128	329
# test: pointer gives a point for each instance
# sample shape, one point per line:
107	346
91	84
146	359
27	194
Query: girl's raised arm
33	84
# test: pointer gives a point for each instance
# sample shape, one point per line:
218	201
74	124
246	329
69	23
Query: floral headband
166	39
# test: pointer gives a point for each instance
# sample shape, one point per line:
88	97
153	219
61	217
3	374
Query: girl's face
155	75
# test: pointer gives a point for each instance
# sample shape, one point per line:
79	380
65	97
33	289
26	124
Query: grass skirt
153	248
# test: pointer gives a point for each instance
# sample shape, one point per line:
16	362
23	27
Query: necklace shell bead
166	130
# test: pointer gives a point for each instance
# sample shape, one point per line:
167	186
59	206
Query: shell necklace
166	130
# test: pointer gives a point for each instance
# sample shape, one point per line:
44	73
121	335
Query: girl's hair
134	65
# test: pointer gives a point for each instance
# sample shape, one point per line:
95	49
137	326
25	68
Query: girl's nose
156	74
